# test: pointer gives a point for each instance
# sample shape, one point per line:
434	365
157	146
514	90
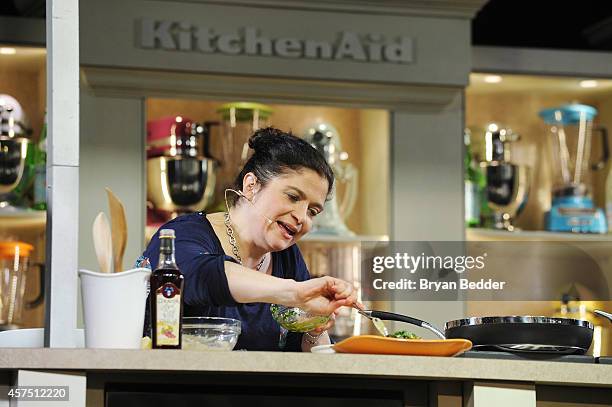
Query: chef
236	263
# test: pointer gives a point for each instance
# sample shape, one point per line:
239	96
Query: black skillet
509	333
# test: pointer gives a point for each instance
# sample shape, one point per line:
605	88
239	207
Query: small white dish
329	348
33	338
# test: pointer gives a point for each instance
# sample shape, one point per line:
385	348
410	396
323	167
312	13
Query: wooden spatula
102	242
119	229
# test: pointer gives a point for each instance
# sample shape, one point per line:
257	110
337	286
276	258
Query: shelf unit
23	76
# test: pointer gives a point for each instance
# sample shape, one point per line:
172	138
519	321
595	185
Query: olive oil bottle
166	297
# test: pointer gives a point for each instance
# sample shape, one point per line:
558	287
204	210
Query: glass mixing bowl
210	333
295	319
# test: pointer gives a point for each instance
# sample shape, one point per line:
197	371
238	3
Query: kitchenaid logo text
183	36
404	261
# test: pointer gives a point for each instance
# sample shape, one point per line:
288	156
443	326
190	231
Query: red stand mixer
181	173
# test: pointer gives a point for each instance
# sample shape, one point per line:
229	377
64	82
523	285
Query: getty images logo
183	36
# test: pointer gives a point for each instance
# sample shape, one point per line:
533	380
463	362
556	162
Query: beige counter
376	366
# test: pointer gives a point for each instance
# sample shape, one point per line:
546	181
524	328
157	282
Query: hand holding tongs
390	316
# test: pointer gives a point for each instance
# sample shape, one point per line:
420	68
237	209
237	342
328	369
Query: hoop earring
239	193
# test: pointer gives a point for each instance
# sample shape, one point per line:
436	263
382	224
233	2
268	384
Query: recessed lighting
589	84
7	51
492	79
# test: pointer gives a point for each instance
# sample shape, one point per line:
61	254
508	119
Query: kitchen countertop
380	366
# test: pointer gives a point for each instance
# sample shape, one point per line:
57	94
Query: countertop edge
380	366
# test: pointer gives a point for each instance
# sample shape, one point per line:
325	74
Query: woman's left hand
318	336
326	327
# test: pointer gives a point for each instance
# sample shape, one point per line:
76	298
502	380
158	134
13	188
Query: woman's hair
276	153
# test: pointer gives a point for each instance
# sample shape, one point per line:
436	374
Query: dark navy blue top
200	257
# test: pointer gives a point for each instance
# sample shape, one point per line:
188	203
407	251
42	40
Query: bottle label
168	303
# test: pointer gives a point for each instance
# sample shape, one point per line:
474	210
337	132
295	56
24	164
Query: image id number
39	393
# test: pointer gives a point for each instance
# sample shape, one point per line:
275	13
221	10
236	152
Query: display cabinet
512	88
22	106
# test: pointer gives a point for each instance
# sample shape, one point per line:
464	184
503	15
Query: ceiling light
7	51
589	84
492	79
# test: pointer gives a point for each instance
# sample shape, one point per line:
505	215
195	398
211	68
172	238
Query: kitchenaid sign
348	45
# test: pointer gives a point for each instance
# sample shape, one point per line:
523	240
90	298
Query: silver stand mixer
508	183
326	140
181	174
13	151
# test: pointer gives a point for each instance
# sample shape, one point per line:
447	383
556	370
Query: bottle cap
166	233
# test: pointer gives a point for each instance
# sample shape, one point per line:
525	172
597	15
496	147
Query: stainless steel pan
524	333
509	333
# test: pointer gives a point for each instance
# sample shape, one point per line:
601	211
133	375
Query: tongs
603	314
378	316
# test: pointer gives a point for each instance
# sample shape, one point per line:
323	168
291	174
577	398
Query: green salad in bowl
295	319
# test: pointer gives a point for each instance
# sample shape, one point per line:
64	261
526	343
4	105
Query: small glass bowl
295	319
210	333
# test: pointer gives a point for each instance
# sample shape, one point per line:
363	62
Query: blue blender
572	208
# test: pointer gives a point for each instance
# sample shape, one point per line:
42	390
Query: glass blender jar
14	265
239	120
572	208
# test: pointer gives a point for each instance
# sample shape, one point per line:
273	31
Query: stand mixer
13	151
572	208
181	174
325	138
507	185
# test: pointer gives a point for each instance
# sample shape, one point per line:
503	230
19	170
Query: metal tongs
603	314
378	316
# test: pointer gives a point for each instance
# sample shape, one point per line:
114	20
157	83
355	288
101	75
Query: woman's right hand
324	295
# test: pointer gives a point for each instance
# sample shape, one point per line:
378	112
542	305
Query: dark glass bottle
166	296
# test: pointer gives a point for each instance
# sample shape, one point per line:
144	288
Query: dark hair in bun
275	153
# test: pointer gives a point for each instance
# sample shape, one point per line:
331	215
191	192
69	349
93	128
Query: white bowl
210	333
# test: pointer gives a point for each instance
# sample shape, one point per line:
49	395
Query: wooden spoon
119	229
102	242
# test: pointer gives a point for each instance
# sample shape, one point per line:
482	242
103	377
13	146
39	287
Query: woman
238	262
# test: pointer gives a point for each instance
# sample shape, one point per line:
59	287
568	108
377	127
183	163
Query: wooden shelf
476	234
23	219
344	239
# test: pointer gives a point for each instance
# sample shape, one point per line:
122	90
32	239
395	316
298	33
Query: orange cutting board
394	346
